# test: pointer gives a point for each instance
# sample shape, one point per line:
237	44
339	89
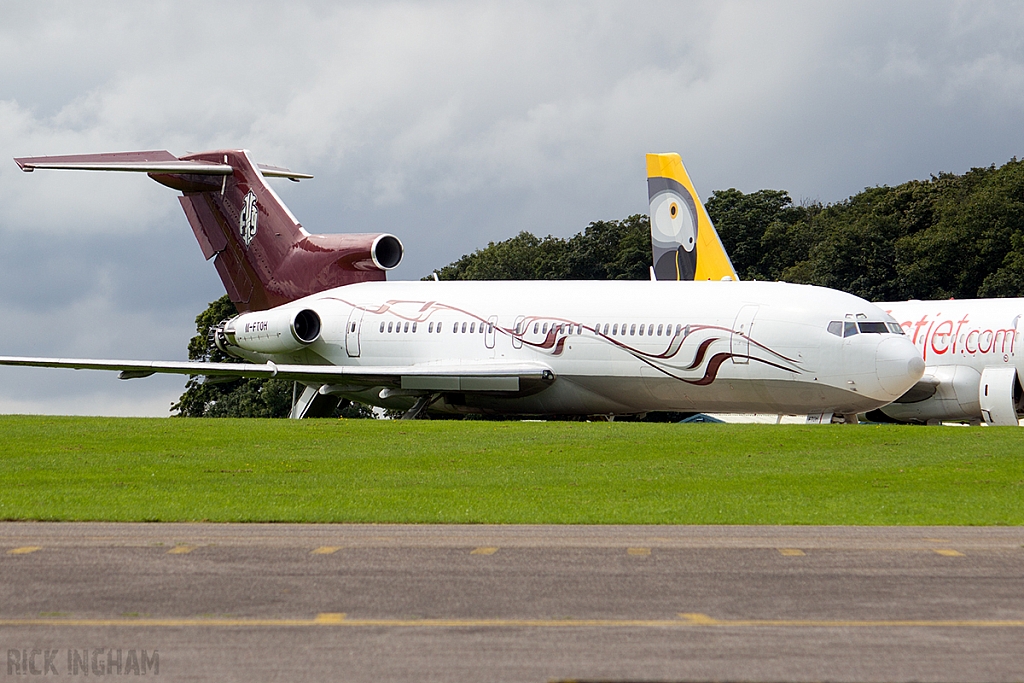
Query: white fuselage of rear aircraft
612	347
970	347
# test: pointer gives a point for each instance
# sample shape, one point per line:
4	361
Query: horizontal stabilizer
269	171
154	161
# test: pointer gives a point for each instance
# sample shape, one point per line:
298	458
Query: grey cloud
449	124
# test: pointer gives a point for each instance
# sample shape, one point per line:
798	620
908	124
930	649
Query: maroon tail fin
263	255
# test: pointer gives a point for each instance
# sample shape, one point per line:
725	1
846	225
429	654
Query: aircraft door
739	341
492	323
518	330
352	329
996	395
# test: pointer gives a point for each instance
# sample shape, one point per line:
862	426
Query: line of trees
949	236
952	235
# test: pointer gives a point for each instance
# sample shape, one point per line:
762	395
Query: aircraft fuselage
616	347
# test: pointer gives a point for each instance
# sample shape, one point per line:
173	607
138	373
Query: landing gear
311	403
421	404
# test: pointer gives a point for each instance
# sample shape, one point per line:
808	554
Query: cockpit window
836	327
849	329
895	328
873	328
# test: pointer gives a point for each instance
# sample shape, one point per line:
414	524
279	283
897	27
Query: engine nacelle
959	392
351	252
273	331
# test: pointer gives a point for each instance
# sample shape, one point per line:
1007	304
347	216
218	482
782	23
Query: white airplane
973	361
528	348
971	347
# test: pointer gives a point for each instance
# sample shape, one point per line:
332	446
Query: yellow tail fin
685	243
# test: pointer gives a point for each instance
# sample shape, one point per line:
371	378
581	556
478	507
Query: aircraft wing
923	390
501	377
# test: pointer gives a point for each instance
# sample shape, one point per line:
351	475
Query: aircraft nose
898	365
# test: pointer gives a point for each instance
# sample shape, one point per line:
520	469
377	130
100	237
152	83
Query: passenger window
632	329
439	327
872	328
615	329
836	327
606	328
544	330
472	328
679	328
414	327
430	328
535	327
406	328
659	330
389	327
463	328
641	330
381	325
650	330
849	329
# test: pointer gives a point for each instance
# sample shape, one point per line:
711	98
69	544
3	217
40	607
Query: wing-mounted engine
1000	396
959	392
268	332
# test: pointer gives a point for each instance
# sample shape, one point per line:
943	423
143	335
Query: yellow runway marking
638	551
791	552
330	618
24	550
340	619
948	552
483	551
325	550
696	619
180	550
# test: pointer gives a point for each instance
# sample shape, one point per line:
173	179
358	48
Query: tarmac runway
261	602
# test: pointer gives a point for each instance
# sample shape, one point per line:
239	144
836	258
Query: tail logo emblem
247	221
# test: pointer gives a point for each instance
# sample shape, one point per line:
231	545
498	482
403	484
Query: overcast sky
449	125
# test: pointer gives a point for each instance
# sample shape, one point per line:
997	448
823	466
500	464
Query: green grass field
70	468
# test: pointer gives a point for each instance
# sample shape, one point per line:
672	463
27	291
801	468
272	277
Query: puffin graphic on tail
685	243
